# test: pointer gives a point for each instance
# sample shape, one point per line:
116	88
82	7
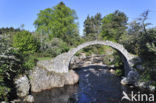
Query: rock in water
152	88
41	79
71	78
29	99
132	77
22	85
124	81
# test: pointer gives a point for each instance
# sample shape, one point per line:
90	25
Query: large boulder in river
41	79
22	85
132	78
71	78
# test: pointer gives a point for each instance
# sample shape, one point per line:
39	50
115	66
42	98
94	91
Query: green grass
44	58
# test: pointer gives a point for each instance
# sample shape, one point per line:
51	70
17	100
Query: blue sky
16	12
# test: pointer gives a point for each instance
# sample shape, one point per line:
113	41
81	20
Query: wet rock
142	85
71	78
145	86
140	67
4	102
112	71
132	77
16	101
124	81
152	88
22	85
41	79
82	55
29	99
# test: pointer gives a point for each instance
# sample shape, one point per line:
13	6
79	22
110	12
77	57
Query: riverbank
91	68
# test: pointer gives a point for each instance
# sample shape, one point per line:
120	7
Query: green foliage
147	51
112	57
8	30
12	64
142	42
113	26
4	91
108	59
58	22
10	67
118	72
29	62
145	77
92	27
131	43
25	42
55	47
44	58
117	61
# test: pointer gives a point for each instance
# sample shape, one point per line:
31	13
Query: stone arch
60	64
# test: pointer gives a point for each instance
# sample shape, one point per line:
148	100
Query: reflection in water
56	95
96	85
99	85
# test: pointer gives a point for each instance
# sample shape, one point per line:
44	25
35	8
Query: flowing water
96	85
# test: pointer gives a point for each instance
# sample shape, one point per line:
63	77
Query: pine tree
92	27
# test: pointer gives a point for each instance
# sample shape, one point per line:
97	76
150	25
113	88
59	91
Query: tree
8	30
25	42
148	46
134	28
92	27
98	22
142	41
143	19
137	34
114	25
87	26
59	22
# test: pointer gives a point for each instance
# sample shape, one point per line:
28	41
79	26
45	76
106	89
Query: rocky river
96	85
88	81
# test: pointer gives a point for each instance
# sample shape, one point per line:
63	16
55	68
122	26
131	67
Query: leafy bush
131	43
25	42
11	64
55	47
108	59
118	72
4	91
29	62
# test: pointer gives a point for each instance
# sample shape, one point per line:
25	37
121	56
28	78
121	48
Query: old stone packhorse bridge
60	64
52	73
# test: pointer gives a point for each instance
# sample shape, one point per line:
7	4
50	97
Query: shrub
118	72
4	91
10	66
29	62
55	47
25	42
